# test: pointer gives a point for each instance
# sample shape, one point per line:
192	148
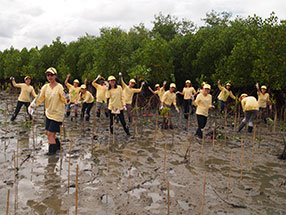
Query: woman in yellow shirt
87	103
263	101
53	96
116	103
24	98
74	91
250	108
188	92
159	90
101	101
128	92
225	92
203	103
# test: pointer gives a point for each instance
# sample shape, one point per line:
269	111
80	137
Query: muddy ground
128	176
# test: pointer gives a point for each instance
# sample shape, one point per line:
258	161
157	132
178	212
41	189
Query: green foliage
165	111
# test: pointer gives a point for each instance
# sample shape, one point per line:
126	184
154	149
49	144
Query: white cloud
33	23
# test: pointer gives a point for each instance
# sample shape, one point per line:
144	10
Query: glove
120	74
12	78
177	92
98	77
161	107
106	84
270	107
142	83
164	83
124	108
31	109
257	85
67	96
177	109
192	97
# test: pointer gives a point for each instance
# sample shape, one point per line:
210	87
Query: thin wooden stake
7	202
275	121
203	141
230	168
213	137
17	152
225	125
129	177
204	191
69	164
6	130
168	198
242	157
76	190
253	141
164	164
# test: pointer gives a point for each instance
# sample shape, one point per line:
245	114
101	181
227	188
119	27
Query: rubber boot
106	114
13	118
240	127
58	144
98	114
52	149
87	118
68	113
250	128
126	129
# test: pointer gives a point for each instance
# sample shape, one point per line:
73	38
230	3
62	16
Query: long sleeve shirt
87	97
73	93
26	91
169	98
203	103
54	101
116	99
188	92
263	99
128	92
224	94
249	103
100	92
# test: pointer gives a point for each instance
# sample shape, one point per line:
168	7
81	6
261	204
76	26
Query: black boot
52	149
98	114
250	128
58	144
106	114
75	115
240	127
87	118
130	119
126	129
68	113
13	118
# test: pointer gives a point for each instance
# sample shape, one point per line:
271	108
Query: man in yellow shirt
188	92
128	92
263	101
24	98
74	91
250	108
168	99
101	101
87	102
203	103
225	92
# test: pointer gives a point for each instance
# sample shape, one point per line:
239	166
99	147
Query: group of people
114	99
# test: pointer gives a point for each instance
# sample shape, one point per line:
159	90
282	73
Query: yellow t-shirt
188	92
263	99
224	94
87	97
54	101
249	103
169	98
26	91
160	93
73	92
129	92
116	100
100	92
203	103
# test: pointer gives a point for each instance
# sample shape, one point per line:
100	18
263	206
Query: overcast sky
30	23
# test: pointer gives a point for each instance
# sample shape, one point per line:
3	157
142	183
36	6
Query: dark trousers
18	108
122	120
249	118
202	121
86	107
264	114
187	107
221	104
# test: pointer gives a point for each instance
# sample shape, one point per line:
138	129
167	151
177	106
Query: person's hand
257	85
85	80
177	109
125	108
120	74
193	97
270	107
68	75
164	83
142	83
12	78
31	109
177	92
106	84
218	82
212	107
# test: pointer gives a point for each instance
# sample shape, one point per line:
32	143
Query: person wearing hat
168	99
116	103
74	91
225	92
24	98
188	93
263	101
203	103
201	88
53	95
159	90
250	108
101	101
87	103
128	92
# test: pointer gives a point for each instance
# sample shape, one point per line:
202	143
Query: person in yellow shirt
101	101
263	102
116	103
168	99
128	92
52	94
188	92
250	108
74	91
87	103
159	90
203	103
24	98
225	92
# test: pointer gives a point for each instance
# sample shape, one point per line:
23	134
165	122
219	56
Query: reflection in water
52	204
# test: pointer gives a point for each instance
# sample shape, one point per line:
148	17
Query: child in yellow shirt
101	101
24	98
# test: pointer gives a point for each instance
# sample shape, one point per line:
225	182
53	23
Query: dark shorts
52	125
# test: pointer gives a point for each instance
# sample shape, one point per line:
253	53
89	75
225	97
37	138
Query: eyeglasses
49	74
